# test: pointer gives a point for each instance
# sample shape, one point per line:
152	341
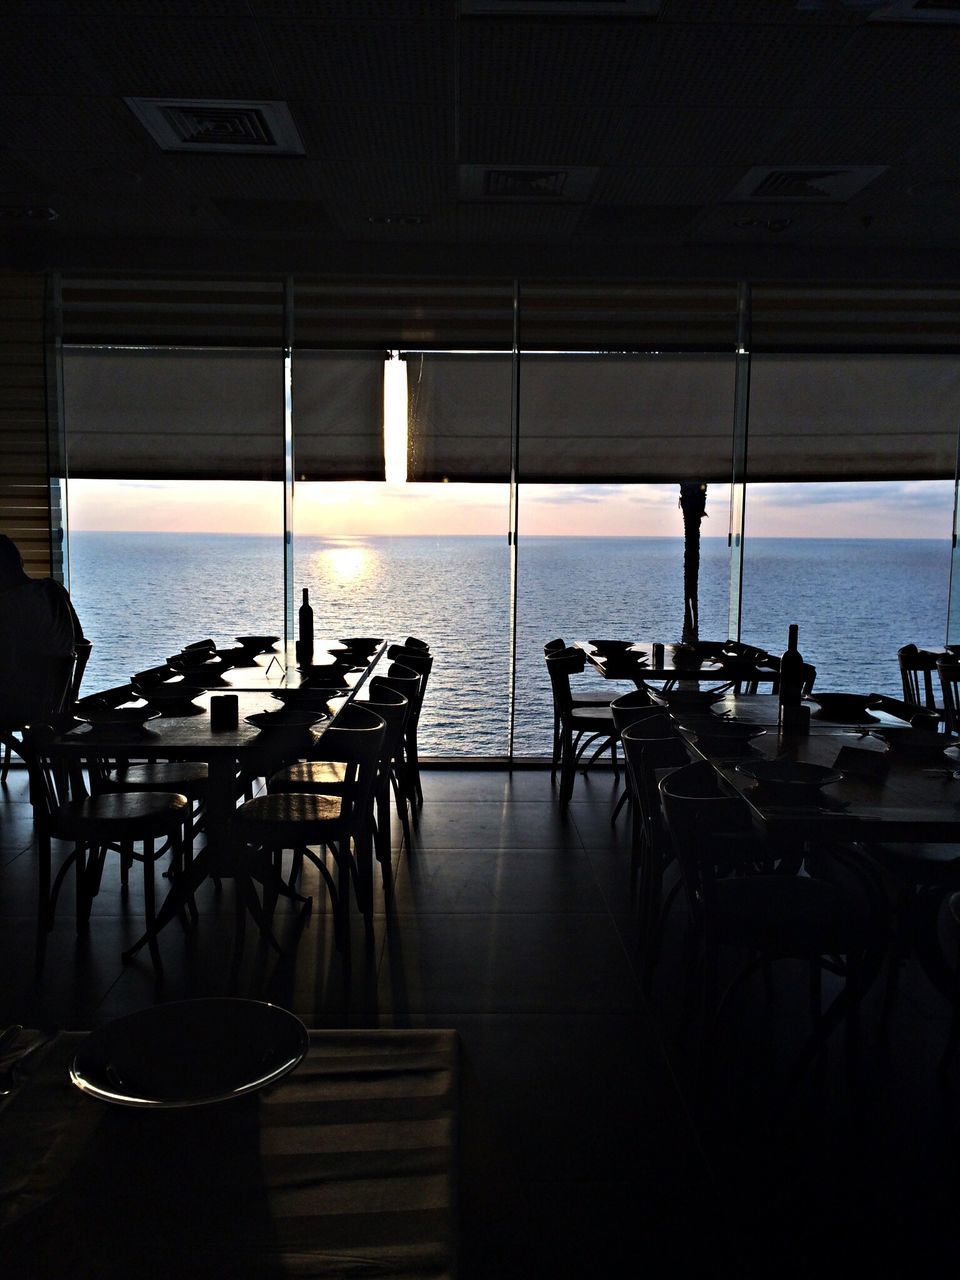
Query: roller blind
599	418
338	415
855	417
178	414
173	414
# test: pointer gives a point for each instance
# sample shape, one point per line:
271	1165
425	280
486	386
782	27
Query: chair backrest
948	669
355	739
412	642
41	694
403	680
422	665
632	707
696	811
554	646
916	675
561	665
649	745
394	708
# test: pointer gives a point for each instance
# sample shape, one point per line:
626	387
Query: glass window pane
877	582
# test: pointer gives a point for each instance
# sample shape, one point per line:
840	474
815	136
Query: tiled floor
580	1154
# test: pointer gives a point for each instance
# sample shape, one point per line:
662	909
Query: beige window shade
597	418
177	414
173	414
853	417
338	415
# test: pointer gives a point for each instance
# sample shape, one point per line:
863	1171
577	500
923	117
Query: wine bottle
791	671
305	628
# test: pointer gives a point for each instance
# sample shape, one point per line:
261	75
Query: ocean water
141	596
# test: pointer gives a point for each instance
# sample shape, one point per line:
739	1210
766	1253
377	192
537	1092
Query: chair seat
792	915
188	778
309	775
917	862
599	719
287	818
120	815
592	700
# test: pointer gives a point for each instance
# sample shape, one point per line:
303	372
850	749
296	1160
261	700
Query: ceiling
561	142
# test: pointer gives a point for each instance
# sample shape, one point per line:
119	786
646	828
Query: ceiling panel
893	66
548	134
362	62
407	133
859	135
55	123
542	62
709	136
522	224
731	66
665	184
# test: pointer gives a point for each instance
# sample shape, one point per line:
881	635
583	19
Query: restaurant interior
649	1006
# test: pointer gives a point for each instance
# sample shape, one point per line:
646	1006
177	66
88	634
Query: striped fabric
347	1167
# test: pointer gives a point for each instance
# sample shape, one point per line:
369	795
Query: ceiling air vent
805	184
544	184
245	128
563	8
940	12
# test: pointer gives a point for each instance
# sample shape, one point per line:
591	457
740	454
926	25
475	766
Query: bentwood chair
580	699
766	916
580	727
290	817
650	746
422	664
50	688
917	671
948	669
140	826
627	710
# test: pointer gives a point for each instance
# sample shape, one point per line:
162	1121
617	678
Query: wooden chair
948	669
422	663
768	917
139	826
294	816
917	670
580	727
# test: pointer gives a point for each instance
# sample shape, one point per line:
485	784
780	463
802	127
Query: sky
881	509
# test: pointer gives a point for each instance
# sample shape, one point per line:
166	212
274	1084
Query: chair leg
5	767
150	904
568	768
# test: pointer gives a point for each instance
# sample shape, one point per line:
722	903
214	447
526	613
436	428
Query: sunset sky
887	509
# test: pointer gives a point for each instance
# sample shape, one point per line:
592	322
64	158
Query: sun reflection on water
346	563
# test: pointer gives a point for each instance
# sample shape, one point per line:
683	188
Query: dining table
645	660
346	1166
884	792
237	750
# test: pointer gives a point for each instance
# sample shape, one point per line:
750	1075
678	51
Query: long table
348	1165
918	798
227	753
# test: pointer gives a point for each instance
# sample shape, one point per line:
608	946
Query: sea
142	596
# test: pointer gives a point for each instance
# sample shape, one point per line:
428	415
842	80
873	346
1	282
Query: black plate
790	775
189	1053
842	708
257	644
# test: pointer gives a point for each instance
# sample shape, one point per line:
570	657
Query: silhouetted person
38	626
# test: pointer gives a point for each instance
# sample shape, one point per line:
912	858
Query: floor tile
489	825
506	963
493	880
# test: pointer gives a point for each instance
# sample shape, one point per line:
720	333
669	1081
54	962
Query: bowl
722	737
189	1053
286	718
175	697
611	646
117	719
911	742
689	699
257	644
790	779
849	708
361	644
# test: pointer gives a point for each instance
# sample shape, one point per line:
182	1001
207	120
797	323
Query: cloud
898	495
